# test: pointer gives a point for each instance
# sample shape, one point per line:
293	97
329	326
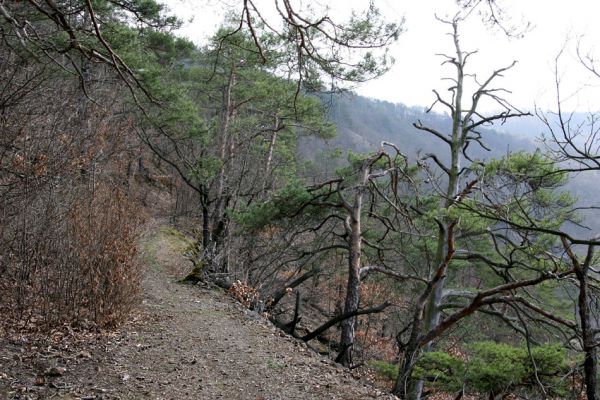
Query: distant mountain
363	123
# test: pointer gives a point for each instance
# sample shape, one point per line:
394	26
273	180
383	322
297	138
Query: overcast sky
417	70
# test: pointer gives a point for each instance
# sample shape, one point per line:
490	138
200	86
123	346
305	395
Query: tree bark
590	367
219	220
406	387
456	142
270	152
590	363
354	232
353	287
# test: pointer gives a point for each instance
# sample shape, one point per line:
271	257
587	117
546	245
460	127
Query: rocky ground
186	342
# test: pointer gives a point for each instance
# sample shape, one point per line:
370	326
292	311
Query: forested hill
362	123
131	158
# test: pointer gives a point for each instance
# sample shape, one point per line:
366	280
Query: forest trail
188	342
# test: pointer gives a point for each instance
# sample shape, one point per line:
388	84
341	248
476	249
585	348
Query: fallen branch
343	317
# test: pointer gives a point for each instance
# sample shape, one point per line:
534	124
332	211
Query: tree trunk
270	153
433	312
590	363
590	366
218	218
406	387
457	140
205	227
353	287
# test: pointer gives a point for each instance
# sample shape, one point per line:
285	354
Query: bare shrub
69	256
68	213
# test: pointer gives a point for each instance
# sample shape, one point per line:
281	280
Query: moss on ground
152	246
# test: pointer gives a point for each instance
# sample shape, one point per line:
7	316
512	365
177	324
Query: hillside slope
189	342
363	123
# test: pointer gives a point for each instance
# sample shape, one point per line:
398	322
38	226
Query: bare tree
466	124
574	143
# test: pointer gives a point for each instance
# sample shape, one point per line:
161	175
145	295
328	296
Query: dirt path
189	342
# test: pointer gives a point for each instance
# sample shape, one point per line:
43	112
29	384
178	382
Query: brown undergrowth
80	269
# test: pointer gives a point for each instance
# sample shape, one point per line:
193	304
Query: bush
76	265
441	369
495	368
68	219
384	369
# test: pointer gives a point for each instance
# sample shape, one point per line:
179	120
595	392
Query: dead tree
465	131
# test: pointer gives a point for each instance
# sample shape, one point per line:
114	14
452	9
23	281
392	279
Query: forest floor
185	342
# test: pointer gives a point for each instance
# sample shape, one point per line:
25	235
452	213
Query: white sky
417	70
